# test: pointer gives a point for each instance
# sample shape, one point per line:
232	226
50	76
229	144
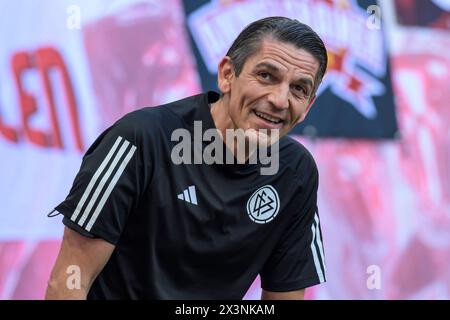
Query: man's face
274	89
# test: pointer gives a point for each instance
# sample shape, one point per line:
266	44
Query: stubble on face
272	92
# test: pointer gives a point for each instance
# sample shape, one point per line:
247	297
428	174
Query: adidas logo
189	195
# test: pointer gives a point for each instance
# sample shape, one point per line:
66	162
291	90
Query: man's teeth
267	117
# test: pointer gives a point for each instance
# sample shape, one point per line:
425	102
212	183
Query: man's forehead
284	56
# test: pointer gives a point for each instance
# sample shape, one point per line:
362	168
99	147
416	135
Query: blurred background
379	131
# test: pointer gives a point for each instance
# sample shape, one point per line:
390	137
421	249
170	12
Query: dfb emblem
263	205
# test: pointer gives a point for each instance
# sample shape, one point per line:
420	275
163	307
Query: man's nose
279	97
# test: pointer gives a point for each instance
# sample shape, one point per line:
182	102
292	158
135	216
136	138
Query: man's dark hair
284	30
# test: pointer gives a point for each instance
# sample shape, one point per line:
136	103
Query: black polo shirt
193	231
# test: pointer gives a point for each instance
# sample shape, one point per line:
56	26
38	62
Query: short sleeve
109	183
297	261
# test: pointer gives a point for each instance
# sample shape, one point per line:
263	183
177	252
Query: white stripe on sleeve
102	183
110	188
94	179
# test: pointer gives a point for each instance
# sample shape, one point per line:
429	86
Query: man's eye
265	75
299	88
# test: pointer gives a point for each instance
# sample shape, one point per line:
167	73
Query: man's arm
290	295
89	256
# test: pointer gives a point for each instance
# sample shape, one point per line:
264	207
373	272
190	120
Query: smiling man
139	225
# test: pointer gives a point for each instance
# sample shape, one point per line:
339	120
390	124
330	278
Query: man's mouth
268	118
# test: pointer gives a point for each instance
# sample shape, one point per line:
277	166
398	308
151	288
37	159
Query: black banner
355	99
190	310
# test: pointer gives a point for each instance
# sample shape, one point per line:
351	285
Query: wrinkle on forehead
289	57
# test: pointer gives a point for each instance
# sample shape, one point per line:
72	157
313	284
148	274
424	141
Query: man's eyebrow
268	66
303	80
306	81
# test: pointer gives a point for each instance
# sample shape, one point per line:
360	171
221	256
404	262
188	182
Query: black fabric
169	248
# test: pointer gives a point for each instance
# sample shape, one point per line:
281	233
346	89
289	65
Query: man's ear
225	74
303	116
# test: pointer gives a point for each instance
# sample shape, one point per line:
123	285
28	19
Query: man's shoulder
292	149
296	156
162	116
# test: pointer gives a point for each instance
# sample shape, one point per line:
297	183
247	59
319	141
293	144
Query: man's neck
221	118
222	121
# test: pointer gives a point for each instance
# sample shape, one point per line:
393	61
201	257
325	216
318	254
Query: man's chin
264	138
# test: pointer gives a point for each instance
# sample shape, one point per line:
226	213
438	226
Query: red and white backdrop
384	203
